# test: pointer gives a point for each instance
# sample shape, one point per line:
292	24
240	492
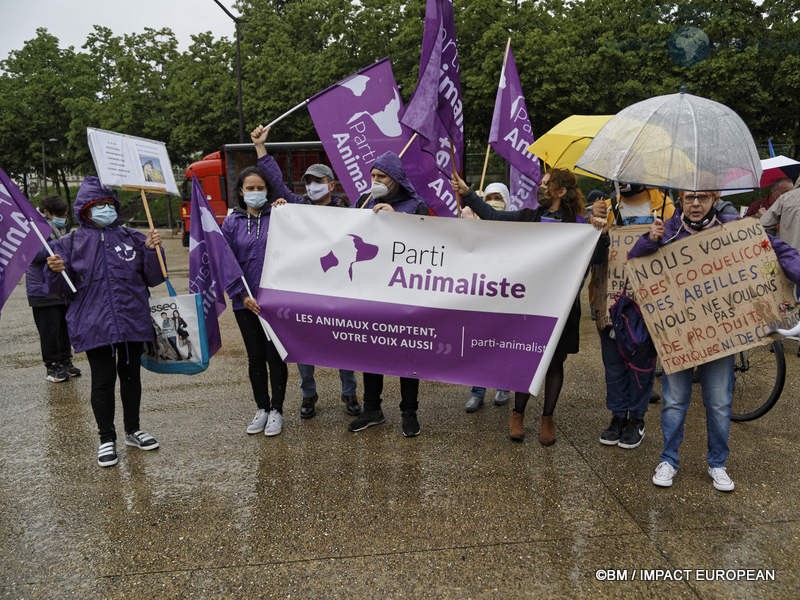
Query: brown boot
516	430
547	433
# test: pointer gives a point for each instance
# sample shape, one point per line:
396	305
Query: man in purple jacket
716	376
112	268
320	183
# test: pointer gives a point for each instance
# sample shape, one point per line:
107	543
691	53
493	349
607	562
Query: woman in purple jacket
716	376
112	268
245	230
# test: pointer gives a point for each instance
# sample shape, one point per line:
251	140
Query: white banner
427	297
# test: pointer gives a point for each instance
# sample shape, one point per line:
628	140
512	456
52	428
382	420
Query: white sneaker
721	480
664	474
274	423
259	422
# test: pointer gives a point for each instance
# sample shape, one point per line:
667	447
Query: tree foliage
574	57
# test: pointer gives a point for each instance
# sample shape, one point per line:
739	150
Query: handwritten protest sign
712	294
129	161
609	278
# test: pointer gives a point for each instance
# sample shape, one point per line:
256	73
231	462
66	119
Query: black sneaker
610	437
351	405
367	419
72	370
308	407
410	424
632	434
107	454
56	373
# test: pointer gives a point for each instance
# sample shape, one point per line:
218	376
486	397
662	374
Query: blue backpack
633	339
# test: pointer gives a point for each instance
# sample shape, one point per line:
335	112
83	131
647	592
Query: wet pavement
318	512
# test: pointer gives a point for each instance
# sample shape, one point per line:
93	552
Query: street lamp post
44	164
237	21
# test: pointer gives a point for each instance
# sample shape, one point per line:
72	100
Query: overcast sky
71	20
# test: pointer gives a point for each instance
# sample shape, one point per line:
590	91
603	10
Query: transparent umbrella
676	141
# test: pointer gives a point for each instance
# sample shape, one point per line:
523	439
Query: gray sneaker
501	397
473	404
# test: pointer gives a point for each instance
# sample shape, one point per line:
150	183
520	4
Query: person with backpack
629	372
716	376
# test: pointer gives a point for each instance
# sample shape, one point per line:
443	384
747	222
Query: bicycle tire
752	368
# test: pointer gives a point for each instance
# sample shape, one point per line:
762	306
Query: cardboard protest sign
425	297
712	294
128	161
609	279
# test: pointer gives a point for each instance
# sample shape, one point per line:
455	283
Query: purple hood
91	191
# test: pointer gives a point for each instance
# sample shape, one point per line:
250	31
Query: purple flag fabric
213	268
18	242
511	134
439	85
358	119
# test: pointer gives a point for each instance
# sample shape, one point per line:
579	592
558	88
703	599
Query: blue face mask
59	222
255	199
103	215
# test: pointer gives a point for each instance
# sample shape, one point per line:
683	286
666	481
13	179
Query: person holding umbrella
627	397
716	376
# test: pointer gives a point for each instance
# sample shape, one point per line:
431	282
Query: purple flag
511	134
18	242
439	86
213	268
358	119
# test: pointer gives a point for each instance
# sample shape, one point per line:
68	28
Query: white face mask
255	199
379	190
317	191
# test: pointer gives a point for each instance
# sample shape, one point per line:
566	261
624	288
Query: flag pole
403	151
485	163
51	253
288	112
489	145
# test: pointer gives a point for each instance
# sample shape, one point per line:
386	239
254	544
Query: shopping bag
181	342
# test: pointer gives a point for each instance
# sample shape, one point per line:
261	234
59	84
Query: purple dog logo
364	252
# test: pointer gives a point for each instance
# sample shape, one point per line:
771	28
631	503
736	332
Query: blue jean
624	397
480	392
716	380
309	386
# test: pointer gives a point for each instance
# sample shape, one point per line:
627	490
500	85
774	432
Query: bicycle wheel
759	377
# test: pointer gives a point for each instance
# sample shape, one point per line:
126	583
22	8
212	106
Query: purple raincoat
406	200
247	237
278	189
112	271
788	257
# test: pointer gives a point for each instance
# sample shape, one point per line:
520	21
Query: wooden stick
485	163
453	162
152	228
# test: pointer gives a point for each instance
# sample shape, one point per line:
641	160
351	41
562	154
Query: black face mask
707	218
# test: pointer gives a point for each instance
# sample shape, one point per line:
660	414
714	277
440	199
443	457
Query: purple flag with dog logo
358	119
18	242
213	268
511	134
439	88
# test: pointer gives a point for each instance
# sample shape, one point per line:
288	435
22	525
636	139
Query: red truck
217	173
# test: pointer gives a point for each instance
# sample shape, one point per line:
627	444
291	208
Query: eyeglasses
103	204
700	198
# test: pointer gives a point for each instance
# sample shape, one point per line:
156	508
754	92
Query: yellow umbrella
564	144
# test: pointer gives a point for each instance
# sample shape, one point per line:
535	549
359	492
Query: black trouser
106	363
52	325
261	353
373	387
